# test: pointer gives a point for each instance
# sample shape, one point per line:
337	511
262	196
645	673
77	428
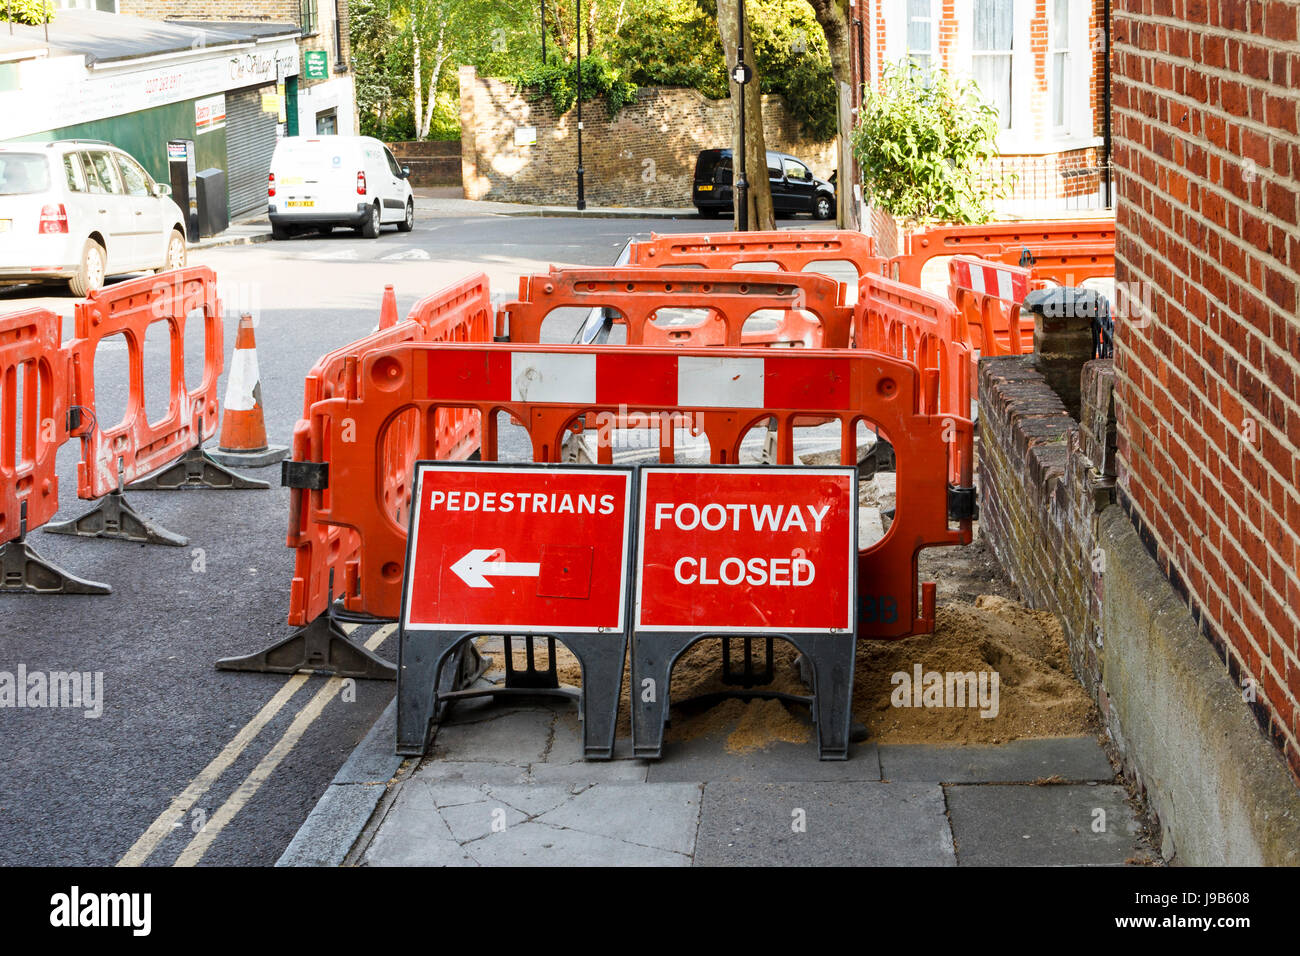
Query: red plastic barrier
988	297
731	298
1067	265
461	312
548	388
996	239
30	437
790	250
903	321
136	446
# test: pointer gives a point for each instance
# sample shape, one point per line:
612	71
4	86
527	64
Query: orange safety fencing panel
790	250
550	388
993	240
636	295
905	322
326	556
988	296
136	446
33	386
1065	265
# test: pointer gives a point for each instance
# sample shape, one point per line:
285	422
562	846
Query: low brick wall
642	156
1043	480
432	162
1219	791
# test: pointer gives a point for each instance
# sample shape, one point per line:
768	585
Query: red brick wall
1208	387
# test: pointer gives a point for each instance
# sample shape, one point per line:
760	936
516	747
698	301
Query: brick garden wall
1207	378
1044	478
643	156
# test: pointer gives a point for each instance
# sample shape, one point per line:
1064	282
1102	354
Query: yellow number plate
704	189
302	202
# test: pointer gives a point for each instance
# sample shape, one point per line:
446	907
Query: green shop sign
318	64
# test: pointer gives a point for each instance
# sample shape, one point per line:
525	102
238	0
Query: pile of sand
1038	695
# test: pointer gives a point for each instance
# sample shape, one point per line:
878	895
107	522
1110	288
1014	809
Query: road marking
203	840
200	785
408	254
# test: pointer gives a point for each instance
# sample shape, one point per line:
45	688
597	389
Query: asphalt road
188	764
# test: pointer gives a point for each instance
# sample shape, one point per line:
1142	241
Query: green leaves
33	12
558	81
921	145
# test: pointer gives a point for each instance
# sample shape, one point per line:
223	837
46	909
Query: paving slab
518	737
663	816
1069	759
1009	825
846	824
707	758
413	833
536	844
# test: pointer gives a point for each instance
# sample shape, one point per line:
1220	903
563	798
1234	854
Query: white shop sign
60	91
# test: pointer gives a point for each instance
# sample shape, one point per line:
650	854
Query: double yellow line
167	821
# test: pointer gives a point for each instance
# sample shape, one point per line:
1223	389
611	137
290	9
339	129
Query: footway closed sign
746	549
533	549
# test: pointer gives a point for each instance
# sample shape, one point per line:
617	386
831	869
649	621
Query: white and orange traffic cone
388	308
243	427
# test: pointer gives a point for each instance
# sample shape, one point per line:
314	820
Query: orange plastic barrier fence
988	297
790	250
549	388
996	239
1066	265
905	322
326	556
731	298
33	386
137	446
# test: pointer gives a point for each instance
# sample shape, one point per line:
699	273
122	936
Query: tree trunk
418	86
439	59
833	15
755	145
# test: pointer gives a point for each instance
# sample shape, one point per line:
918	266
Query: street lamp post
741	76
582	201
543	32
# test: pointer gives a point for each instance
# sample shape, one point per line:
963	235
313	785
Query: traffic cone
388	308
243	429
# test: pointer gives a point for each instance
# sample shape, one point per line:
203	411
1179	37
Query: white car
319	182
83	210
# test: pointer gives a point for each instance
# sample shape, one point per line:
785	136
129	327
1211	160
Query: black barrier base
422	659
196	469
114	518
830	656
320	646
23	571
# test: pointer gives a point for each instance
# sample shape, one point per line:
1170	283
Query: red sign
747	549
517	548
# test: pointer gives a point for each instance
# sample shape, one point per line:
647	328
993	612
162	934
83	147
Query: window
23	173
991	54
774	167
72	172
136	179
920	34
393	168
797	172
1059	35
307	16
106	175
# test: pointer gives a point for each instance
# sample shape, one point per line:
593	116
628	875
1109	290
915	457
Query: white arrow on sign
476	565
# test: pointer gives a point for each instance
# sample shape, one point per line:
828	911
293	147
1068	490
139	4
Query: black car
794	188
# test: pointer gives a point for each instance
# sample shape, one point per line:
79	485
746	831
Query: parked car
83	210
319	182
794	188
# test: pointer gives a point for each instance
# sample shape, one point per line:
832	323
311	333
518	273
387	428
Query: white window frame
1067	51
933	20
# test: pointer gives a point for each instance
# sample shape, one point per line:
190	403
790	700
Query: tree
833	15
921	142
759	193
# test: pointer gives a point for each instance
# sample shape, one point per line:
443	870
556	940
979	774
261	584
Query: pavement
504	784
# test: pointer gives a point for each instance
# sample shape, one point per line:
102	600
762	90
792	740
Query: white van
318	182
